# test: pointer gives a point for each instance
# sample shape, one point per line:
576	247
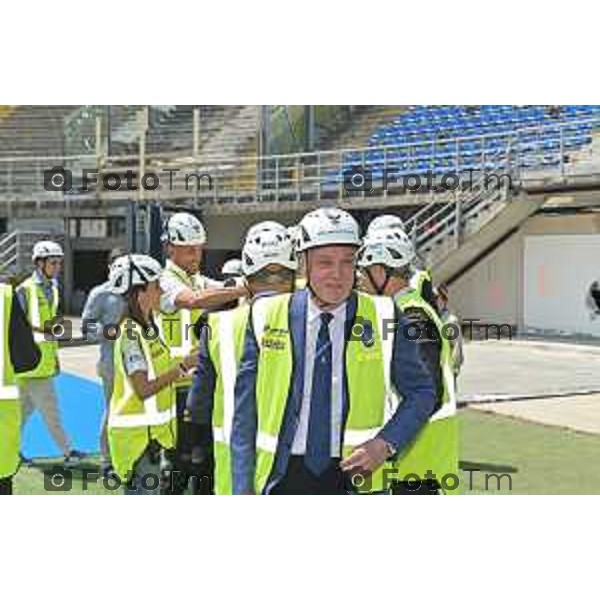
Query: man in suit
310	398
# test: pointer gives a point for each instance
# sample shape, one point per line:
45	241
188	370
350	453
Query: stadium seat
540	129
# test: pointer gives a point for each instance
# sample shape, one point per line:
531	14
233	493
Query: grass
539	460
30	480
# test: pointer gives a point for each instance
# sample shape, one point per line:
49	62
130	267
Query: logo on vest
274	338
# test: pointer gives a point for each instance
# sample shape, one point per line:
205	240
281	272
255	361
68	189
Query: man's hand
191	360
367	457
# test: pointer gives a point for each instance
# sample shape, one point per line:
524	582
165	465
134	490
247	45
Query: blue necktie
318	445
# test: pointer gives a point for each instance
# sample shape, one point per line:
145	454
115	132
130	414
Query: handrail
347	150
562	124
9	236
294	176
165	156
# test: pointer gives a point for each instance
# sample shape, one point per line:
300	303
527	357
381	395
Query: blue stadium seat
434	129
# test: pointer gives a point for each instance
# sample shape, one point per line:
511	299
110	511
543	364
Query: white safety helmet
132	270
120	263
265	226
387	247
385	222
327	227
293	232
268	243
46	249
232	268
183	229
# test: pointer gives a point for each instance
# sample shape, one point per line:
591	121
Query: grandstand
481	237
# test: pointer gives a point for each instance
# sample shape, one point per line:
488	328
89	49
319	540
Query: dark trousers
299	480
413	488
6	487
183	471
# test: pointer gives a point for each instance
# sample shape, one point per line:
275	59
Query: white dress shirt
171	286
337	334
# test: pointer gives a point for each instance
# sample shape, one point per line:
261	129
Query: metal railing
553	150
320	175
9	251
441	227
15	250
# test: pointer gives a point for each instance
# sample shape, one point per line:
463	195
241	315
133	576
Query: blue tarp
81	403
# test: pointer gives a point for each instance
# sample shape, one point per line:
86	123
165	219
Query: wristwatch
183	372
391	449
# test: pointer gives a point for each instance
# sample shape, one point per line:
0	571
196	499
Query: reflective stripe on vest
8	389
448	409
266	442
40	310
385	314
435	449
367	376
134	422
35	313
182	319
151	416
418	279
10	407
225	347
228	374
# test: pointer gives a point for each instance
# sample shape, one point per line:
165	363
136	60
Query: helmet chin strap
43	269
320	301
380	289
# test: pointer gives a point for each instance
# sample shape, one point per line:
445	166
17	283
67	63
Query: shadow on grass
76	472
466	465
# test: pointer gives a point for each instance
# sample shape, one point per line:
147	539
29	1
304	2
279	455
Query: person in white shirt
186	294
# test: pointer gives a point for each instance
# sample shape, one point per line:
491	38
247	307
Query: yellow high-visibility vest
39	312
10	408
133	422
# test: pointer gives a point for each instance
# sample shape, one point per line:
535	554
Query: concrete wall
490	290
494	289
227	232
558	273
56	226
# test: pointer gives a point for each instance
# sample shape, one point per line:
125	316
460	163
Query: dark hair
403	272
264	277
134	310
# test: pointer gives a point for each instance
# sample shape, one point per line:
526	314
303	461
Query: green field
539	460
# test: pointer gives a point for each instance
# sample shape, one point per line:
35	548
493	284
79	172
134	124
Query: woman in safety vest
141	421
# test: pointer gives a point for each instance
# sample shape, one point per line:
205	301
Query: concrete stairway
238	133
453	233
34	130
361	125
